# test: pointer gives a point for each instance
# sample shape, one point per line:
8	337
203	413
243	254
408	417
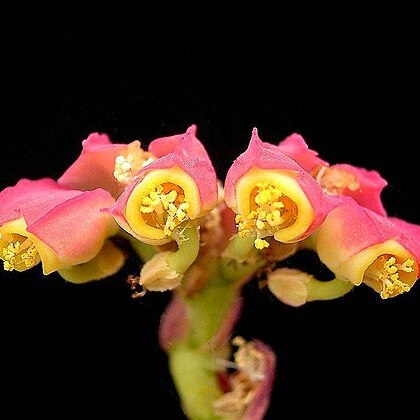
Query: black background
350	90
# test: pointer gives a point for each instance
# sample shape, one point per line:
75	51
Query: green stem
193	361
144	251
240	258
327	290
194	375
188	247
207	310
239	248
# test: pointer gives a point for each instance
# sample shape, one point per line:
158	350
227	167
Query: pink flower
40	221
105	165
249	388
295	147
165	145
362	185
180	185
274	196
361	246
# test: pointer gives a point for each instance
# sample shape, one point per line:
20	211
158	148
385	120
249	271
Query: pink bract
266	156
295	147
261	400
368	189
354	228
186	152
69	222
94	168
409	235
164	145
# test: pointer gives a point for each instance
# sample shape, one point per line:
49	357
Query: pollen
271	211
388	272
19	255
335	181
129	163
165	207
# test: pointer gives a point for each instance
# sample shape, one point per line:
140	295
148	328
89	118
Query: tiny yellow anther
268	214
261	243
147	201
165	209
260	224
171	196
8	266
147	209
130	162
387	271
17	254
172	209
335	181
407	266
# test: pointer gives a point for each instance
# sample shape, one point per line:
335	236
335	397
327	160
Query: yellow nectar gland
165	207
271	211
335	181
387	271
130	162
19	255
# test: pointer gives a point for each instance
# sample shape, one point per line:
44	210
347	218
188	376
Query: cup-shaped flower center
271	211
391	274
335	181
130	162
271	203
18	252
165	207
163	200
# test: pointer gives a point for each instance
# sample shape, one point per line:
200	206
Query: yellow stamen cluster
387	271
250	365
271	211
129	163
335	181
165	207
18	255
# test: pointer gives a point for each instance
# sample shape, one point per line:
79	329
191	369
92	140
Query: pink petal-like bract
182	151
69	222
352	228
94	168
32	199
164	145
295	147
187	152
409	235
261	400
262	155
360	245
174	323
363	185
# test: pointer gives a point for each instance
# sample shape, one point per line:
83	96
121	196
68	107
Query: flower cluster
203	238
